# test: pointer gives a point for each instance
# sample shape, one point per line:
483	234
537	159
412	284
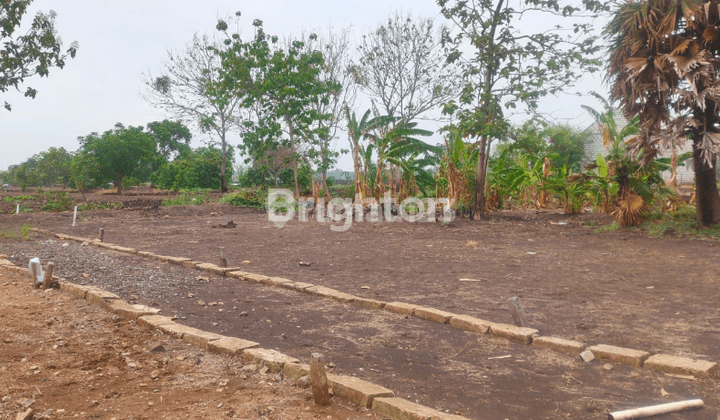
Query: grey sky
121	39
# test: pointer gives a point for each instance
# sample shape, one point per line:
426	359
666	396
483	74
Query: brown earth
63	358
623	289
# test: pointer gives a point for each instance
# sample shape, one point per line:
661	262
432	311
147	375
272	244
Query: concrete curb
632	357
347	388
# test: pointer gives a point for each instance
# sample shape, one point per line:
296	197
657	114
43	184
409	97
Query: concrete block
99	297
356	390
272	359
559	344
514	333
297	285
368	303
237	274
681	365
147	254
620	355
173	260
3	261
124	249
469	323
433	314
400	409
230	345
176	330
331	293
128	311
401	308
154	321
73	289
255	278
189	264
296	370
200	338
277	281
214	268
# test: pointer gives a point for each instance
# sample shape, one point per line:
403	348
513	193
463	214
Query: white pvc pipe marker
656	410
17	209
74	216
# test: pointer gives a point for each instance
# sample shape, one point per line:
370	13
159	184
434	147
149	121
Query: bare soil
623	288
63	358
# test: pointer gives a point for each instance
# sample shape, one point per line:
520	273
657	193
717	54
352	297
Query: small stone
365	287
133	297
150	403
264	370
251	368
27	415
201	303
303	382
587	356
154	374
212	304
132	365
93	403
243	313
28	402
34	367
607	366
191	295
6	398
157	349
23	360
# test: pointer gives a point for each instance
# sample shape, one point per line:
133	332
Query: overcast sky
121	39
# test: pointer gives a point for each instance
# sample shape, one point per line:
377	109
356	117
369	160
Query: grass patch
93	205
22	232
17	198
187	198
608	228
247	197
680	223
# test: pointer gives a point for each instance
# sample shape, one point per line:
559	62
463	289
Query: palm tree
357	132
664	62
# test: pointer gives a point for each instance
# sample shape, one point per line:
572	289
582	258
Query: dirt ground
63	358
623	288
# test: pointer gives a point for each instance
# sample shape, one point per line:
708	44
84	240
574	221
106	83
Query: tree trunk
707	200
291	134
119	184
480	176
356	160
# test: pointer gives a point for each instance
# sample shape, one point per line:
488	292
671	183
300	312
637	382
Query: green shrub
55	201
187	198
247	197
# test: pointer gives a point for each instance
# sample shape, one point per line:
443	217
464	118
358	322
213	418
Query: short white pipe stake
655	410
74	216
17	209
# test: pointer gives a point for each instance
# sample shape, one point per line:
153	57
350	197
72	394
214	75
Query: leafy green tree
195	169
505	65
119	153
568	143
84	171
188	88
31	54
285	82
171	137
52	167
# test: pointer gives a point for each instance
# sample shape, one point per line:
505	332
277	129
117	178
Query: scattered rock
251	368
304	264
94	403
303	382
157	349
587	356
191	295
663	392
365	287
201	303
154	374
607	366
27	415
264	370
246	262
243	313
28	403
133	297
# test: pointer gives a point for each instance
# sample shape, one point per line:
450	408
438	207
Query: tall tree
509	65
664	63
172	137
285	82
33	53
118	153
401	66
187	88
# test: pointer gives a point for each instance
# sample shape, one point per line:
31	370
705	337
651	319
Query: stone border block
275	361
331	293
296	370
514	333
230	345
469	323
147	254
356	390
154	321
214	268
277	281
681	365
401	308
368	303
237	274
433	314
128	311
559	344
99	297
200	338
73	289
176	330
255	278
620	355
189	264
297	285
400	409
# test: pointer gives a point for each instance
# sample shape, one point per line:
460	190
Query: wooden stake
35	274
318	379
223	260
102	234
48	279
517	311
655	410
